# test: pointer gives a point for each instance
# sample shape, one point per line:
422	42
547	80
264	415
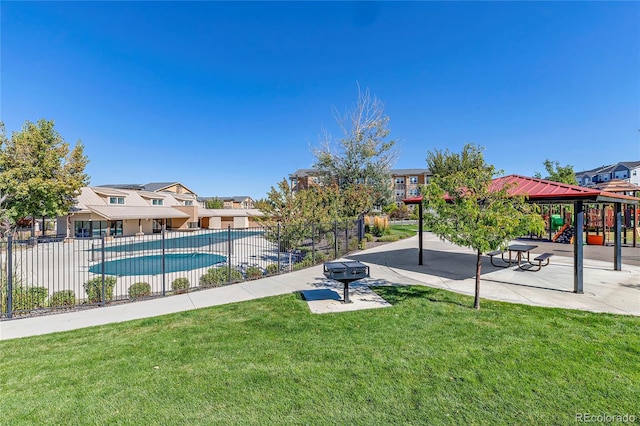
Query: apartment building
407	183
404	182
628	171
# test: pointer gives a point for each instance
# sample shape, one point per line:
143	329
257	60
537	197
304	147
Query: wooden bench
543	257
495	253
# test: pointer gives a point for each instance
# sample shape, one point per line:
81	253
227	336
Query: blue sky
228	98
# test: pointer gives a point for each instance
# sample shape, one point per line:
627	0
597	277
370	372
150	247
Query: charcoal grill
346	272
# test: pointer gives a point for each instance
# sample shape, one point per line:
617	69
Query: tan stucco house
118	210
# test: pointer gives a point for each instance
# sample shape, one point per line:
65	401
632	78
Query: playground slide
560	231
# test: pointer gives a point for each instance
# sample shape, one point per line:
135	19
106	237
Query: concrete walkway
445	266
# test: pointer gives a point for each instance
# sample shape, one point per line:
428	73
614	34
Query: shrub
215	277
4	289
63	298
25	298
141	289
93	287
303	264
180	285
253	272
320	256
401	212
380	226
389	238
272	268
353	245
368	237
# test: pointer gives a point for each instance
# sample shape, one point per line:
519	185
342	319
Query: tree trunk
476	302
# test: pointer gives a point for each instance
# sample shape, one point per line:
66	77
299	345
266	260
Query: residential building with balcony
627	171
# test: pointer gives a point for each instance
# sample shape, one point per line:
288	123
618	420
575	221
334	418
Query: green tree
283	207
362	158
38	173
468	209
214	203
558	173
5	222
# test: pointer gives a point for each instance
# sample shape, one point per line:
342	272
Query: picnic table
520	250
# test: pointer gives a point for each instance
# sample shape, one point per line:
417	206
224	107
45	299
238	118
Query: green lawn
404	230
430	359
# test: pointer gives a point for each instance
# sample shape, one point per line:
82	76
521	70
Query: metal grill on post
346	273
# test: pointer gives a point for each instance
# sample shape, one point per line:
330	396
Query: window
116	227
188	203
116	200
157	202
413	179
399	180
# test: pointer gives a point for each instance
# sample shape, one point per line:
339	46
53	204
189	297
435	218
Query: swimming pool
184	242
152	265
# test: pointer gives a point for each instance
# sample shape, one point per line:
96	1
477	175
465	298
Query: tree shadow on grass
398	294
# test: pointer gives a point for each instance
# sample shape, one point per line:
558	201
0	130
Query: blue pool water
152	265
186	242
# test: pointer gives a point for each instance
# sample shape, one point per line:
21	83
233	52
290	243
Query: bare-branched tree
360	162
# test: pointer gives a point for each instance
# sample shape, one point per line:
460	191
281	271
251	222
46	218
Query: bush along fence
54	275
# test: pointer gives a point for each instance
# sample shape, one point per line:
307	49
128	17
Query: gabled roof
609	168
305	172
152	195
630	164
617	185
157	186
134	186
410	172
597	170
108	191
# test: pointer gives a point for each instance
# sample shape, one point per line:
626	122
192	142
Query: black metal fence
40	276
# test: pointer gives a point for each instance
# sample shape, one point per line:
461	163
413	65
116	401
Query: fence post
164	288
279	242
9	276
335	238
228	254
103	298
313	243
346	236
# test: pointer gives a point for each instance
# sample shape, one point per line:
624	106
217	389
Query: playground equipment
564	235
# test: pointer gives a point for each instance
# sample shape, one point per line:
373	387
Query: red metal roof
546	190
413	200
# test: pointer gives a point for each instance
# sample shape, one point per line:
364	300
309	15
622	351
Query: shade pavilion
541	191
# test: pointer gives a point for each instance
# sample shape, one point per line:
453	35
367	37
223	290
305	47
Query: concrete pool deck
445	266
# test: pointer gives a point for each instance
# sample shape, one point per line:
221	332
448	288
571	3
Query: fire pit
346	272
